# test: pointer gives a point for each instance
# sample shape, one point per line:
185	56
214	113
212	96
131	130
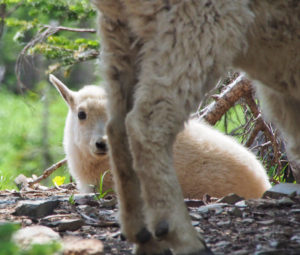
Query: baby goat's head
85	124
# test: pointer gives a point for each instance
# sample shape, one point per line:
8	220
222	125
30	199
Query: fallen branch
47	172
239	88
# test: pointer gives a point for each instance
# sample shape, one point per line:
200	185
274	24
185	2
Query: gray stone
28	236
235	212
36	209
241	204
283	189
285	201
223	223
67	224
247	221
212	207
21	181
230	199
195	216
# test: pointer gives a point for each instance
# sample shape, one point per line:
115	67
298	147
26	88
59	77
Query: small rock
73	245
230	199
193	202
282	189
247	221
296	238
266	222
195	216
36	209
21	181
285	201
223	244
195	223
28	222
235	212
86	199
27	236
67	224
211	207
223	223
241	204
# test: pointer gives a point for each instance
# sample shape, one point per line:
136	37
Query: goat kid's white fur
205	160
83	137
159	58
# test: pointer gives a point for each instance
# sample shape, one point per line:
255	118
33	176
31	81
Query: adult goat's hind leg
283	111
119	57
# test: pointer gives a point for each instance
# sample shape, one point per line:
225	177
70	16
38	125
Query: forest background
39	37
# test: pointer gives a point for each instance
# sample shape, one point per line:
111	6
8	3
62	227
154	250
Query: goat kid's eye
82	115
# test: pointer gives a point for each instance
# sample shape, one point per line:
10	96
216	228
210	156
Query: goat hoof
162	229
166	252
122	237
143	236
207	251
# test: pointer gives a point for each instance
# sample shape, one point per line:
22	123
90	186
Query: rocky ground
230	226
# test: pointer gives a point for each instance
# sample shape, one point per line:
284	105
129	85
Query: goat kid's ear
63	90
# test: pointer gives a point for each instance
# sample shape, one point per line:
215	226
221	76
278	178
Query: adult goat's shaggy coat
159	58
205	160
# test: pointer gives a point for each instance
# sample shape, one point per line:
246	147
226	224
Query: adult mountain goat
159	58
205	160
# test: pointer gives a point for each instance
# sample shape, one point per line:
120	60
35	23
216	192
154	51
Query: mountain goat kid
206	161
159	58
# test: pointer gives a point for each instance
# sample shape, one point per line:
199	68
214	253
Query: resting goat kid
205	160
159	58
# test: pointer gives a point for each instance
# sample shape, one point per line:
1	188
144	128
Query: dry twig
48	171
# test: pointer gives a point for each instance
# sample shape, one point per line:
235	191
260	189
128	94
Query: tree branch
48	171
71	29
233	92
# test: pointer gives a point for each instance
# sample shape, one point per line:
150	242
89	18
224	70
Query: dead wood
48	171
239	88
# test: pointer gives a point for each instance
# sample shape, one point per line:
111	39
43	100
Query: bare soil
261	226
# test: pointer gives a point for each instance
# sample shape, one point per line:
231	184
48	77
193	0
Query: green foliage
231	121
8	247
72	200
103	193
28	20
21	135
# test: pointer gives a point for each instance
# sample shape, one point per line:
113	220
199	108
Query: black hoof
166	252
143	236
207	251
162	229
122	237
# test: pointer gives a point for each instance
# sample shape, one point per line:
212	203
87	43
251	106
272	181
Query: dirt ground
262	226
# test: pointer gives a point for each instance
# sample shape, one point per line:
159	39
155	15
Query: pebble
285	201
230	199
235	212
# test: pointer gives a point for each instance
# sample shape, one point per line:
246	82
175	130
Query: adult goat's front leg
119	59
152	126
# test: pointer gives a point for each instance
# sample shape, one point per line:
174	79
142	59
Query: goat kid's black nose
101	145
